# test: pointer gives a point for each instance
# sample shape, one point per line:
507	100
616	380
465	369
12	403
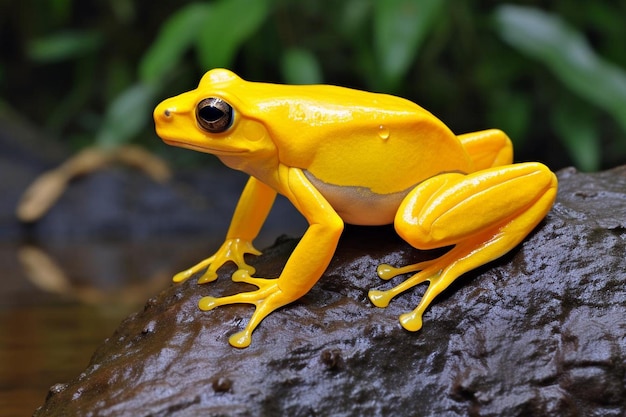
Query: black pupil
211	113
214	115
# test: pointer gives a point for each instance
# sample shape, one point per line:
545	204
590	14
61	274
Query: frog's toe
411	321
380	298
386	271
243	275
208	303
266	288
182	276
241	339
209	276
189	272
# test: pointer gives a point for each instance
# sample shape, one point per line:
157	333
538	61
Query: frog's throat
360	205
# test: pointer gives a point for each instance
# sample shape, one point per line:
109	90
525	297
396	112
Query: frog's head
213	118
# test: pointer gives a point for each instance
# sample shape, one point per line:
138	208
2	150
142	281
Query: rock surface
540	332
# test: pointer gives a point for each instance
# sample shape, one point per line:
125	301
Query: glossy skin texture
342	155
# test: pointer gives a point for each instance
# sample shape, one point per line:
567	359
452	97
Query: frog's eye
214	115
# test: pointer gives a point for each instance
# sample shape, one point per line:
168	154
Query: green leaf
511	112
63	46
400	27
176	36
578	131
567	53
127	115
354	17
300	66
60	10
229	24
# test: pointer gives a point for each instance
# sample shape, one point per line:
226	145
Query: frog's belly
359	205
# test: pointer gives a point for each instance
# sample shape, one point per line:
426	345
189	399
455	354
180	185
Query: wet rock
541	332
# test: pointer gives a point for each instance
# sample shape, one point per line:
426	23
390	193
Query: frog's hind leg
488	148
484	215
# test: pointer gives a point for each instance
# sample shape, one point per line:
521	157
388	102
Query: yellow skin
342	155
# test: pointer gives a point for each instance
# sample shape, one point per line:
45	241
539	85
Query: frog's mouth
201	148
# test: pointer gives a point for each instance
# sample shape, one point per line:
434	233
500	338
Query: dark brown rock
540	332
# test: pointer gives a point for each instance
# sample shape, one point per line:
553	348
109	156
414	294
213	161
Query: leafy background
549	73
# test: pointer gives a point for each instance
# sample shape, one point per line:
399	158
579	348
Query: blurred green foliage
551	74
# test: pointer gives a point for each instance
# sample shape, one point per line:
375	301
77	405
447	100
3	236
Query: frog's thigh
452	208
484	215
488	148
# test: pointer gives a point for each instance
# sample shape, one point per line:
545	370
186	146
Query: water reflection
58	303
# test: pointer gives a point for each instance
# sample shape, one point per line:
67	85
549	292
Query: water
59	302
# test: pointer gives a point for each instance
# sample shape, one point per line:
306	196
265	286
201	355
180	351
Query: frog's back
352	138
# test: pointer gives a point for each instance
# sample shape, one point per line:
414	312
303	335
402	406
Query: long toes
386	271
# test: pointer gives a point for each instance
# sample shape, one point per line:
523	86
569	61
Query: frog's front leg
484	214
252	209
305	266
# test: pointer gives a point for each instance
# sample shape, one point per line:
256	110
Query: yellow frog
347	156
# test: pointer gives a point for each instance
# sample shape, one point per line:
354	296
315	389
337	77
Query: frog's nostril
164	113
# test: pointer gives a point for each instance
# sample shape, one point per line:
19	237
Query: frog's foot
441	272
267	298
385	271
231	250
383	298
